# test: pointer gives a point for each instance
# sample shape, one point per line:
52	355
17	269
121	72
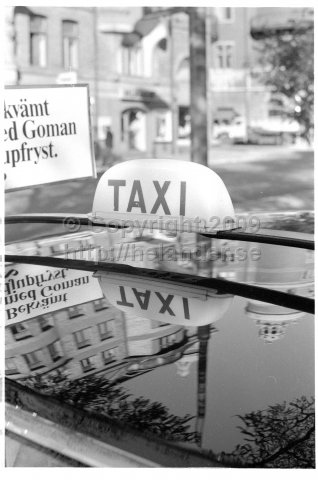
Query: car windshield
142	342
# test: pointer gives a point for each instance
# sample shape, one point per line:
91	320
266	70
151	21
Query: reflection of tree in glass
282	436
295	222
97	395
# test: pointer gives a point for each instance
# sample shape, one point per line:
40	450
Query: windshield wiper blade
263	238
87	220
284	299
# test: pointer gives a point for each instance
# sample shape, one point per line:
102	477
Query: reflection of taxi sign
164	301
148	189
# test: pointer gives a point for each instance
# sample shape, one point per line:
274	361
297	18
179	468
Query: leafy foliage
287	63
96	394
282	436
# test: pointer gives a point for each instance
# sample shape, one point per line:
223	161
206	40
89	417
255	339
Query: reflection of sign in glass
46	135
164	301
34	290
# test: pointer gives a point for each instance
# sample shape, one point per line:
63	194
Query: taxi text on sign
143	189
47	135
164	301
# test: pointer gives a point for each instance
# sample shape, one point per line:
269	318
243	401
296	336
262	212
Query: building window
224	54
55	351
38	41
10	367
163	342
184	123
87	364
163	126
100	304
132	60
70	44
160	58
20	332
225	14
228	13
44	323
33	359
56	249
74	312
183	70
167	341
82	339
105	330
109	355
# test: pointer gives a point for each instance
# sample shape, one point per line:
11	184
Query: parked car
273	131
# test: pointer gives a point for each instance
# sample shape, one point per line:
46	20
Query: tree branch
285	449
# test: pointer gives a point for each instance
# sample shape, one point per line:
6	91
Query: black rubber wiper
86	220
263	238
295	302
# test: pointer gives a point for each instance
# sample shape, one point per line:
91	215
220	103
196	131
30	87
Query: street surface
258	178
269	179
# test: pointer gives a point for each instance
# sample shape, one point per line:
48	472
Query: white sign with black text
47	135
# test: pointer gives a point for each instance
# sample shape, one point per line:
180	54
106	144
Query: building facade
86	339
136	63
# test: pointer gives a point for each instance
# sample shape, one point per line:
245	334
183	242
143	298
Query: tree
96	394
282	436
287	62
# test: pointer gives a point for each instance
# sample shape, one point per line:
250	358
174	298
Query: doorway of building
133	129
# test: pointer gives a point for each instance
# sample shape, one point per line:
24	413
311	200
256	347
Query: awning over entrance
130	39
23	10
148	97
141	29
271	21
146	25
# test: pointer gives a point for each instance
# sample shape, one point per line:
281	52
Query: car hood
143	342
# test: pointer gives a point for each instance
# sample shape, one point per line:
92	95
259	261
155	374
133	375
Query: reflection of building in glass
285	269
147	337
96	338
87	338
272	320
190	357
267	265
84	339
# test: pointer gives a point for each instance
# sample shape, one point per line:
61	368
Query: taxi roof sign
164	188
164	301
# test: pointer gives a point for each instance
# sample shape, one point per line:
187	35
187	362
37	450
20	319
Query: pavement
258	178
267	179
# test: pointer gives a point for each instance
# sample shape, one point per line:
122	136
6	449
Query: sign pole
173	88
198	85
199	109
